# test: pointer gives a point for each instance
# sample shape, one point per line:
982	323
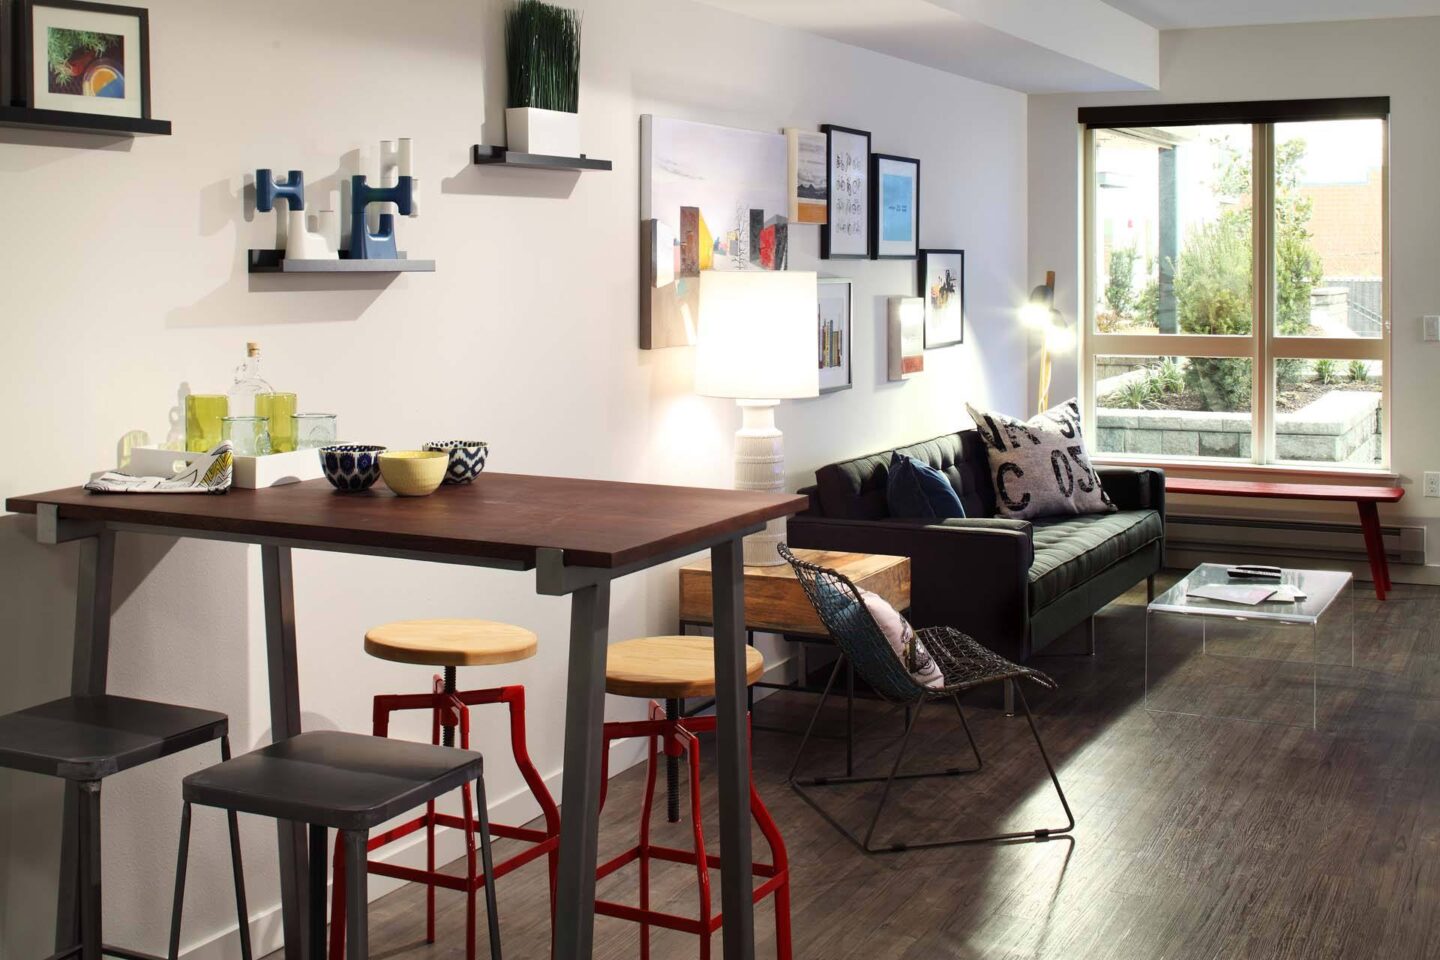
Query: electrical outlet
1430	327
1432	483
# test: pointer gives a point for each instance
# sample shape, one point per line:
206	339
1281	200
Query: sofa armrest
971	574
1135	488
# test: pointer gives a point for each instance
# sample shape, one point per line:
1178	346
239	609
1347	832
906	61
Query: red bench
1364	499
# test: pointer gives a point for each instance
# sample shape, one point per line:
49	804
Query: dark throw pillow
1040	466
917	491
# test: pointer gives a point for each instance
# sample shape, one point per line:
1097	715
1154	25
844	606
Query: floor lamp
1055	335
757	346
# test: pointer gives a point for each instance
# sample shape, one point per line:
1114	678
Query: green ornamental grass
542	56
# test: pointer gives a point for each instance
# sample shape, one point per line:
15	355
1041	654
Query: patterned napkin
209	473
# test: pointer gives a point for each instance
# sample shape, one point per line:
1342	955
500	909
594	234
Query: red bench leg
1374	547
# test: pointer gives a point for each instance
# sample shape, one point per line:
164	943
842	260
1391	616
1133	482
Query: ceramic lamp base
760	466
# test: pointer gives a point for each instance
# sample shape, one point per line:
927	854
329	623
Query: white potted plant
542	62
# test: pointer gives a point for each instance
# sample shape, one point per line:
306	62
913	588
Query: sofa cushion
1072	550
1040	465
917	491
855	489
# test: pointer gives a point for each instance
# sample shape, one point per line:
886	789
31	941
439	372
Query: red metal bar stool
450	644
670	669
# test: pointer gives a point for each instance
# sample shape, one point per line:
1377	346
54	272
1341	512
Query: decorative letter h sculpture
300	243
365	245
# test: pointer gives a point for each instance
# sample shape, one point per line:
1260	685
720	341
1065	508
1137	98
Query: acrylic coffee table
1263	662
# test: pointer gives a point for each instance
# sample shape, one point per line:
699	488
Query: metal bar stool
86	739
343	781
666	669
964	665
449	644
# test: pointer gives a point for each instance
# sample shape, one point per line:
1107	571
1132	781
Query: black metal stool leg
492	914
357	907
237	867
318	882
672	769
178	907
89	872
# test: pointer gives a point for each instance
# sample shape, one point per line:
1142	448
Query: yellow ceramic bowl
414	473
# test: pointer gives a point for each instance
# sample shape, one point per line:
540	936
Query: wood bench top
1283	491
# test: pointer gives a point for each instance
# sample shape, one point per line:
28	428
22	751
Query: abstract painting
833	341
942	287
87	57
907	337
809	190
846	233
894	207
711	198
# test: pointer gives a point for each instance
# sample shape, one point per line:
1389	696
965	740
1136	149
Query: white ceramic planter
551	132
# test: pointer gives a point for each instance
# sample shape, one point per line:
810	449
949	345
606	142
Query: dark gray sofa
1014	585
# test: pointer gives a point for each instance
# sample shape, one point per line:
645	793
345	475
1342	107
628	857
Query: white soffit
1034	46
1185	14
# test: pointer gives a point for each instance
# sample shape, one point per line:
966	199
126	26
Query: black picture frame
827	245
876	159
922	272
23	45
9	25
849	331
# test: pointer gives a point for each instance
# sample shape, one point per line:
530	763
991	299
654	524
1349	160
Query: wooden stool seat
669	668
450	643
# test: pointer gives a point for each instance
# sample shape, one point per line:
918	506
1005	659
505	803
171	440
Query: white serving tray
251	473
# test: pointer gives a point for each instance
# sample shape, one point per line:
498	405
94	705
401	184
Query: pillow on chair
917	491
1040	466
912	653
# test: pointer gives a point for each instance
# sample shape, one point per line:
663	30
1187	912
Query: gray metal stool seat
84	740
343	781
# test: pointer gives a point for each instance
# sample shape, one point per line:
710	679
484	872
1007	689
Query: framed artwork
809	189
907	337
711	198
835	299
84	57
894	207
942	287
846	233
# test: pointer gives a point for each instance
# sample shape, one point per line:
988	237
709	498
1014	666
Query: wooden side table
776	603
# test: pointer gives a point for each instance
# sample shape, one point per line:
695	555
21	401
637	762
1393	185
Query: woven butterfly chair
965	665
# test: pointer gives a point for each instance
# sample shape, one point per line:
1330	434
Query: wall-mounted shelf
65	122
273	261
500	156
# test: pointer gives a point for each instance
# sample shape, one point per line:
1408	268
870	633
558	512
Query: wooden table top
508	517
1283	491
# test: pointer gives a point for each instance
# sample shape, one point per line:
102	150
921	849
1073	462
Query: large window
1237	308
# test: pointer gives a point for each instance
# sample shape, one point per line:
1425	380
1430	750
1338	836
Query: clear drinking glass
279	408
248	436
203	413
313	430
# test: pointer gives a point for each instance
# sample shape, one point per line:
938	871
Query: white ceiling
1180	14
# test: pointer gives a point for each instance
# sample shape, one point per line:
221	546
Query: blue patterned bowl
467	458
351	467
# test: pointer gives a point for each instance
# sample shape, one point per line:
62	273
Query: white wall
1392	58
122	281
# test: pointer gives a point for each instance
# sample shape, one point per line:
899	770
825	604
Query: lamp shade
757	336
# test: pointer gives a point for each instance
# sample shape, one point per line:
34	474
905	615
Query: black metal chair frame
966	665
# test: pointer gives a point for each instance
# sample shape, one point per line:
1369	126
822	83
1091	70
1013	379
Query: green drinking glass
279	409
203	414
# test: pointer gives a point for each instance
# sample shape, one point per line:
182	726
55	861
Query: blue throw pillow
917	491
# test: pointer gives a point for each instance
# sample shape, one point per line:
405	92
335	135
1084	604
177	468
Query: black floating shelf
65	122
501	157
273	261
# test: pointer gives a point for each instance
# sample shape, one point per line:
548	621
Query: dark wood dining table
578	536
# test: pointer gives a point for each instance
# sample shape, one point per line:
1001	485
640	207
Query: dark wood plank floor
1197	838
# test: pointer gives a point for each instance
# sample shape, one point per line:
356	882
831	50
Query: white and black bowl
467	458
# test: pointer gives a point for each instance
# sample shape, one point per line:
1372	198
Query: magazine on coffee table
1248	594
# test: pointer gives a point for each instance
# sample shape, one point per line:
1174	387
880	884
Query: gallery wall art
833	339
711	198
942	287
846	232
83	57
807	181
906	322
894	207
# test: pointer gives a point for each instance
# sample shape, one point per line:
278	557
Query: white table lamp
757	344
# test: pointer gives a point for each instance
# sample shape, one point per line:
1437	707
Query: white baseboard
266	933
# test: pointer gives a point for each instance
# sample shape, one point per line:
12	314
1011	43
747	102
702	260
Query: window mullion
1262	195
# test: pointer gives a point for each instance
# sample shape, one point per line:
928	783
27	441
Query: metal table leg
284	682
736	884
89	666
580	796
